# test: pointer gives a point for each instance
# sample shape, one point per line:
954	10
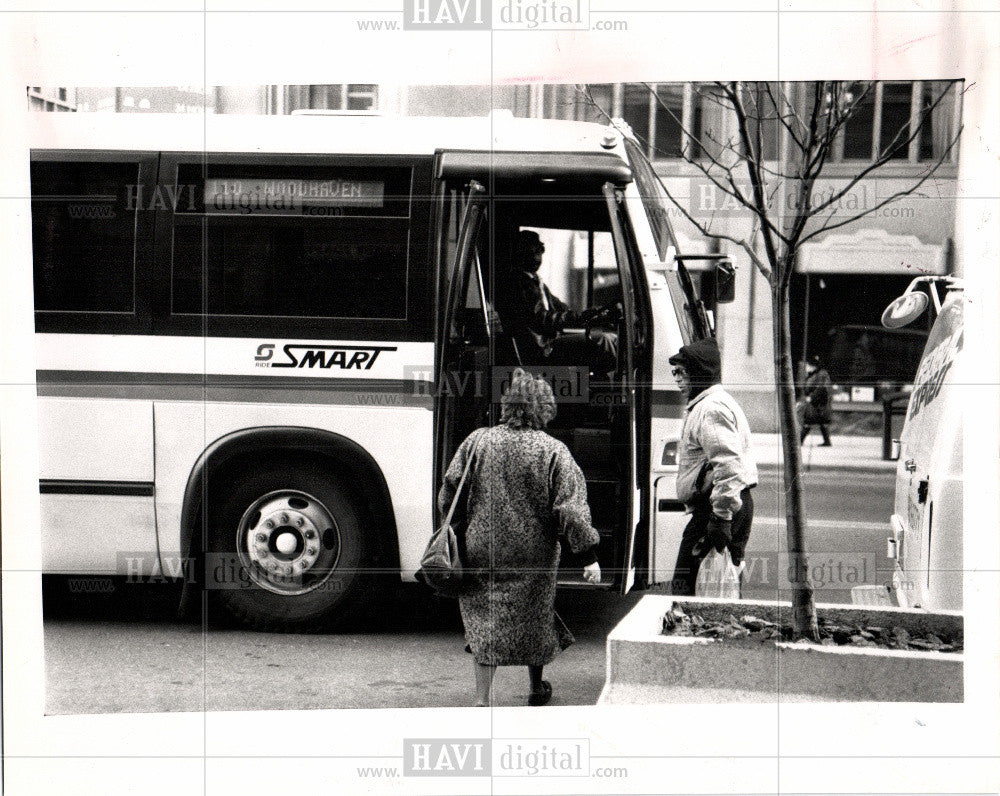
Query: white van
926	541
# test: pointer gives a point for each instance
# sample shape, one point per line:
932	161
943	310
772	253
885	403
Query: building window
41	98
888	112
761	102
665	117
936	136
672	120
593	103
639	110
361	96
857	137
676	121
894	127
344	97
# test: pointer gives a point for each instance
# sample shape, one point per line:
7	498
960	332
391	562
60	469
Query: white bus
260	340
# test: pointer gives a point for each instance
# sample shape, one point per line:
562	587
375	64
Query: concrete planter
645	667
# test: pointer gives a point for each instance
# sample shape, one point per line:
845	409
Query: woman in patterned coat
525	490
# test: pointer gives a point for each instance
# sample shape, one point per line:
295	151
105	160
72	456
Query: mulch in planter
677	622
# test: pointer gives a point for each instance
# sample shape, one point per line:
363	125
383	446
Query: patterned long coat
524	491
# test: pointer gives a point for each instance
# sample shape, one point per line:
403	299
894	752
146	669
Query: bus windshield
654	198
656	204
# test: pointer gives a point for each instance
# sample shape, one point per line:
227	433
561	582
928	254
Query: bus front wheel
286	547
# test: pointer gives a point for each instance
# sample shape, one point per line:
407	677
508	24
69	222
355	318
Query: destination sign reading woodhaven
249	195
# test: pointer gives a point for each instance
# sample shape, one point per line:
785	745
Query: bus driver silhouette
535	317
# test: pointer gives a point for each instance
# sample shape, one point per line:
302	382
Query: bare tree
810	119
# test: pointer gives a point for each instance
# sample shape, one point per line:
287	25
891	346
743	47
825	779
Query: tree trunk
803	605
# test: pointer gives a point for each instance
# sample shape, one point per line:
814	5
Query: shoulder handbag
441	566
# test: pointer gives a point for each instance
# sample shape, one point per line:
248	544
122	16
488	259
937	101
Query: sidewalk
846	453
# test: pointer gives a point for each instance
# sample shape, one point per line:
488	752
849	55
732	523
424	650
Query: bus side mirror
725	282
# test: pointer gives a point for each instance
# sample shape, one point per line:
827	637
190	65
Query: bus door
463	399
632	420
601	432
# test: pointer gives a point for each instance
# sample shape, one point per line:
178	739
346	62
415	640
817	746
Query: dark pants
686	568
823	429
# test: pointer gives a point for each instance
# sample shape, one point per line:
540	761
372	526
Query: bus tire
287	547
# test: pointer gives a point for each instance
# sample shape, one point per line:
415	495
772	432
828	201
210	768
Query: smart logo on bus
319	357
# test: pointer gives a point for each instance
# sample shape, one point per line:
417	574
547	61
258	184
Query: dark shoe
825	445
538	698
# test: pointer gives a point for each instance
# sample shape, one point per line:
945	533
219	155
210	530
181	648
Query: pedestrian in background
525	491
816	401
716	469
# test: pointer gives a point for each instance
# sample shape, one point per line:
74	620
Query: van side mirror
905	309
725	281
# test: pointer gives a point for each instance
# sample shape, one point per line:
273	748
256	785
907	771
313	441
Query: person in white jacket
716	467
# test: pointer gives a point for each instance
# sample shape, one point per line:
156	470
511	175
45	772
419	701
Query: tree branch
731	190
881	160
707	232
760	204
781	117
759	131
898	195
752	250
794	114
807	177
923	116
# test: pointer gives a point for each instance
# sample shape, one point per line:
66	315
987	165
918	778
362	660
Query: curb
646	667
773	467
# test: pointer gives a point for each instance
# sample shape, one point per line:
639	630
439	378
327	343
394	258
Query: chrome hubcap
288	542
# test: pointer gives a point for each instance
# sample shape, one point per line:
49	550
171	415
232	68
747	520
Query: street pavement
125	651
846	453
847	526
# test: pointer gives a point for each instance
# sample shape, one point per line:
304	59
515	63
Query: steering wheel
609	316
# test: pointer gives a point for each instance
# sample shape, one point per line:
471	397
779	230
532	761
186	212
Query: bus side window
606	285
293	241
83	236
